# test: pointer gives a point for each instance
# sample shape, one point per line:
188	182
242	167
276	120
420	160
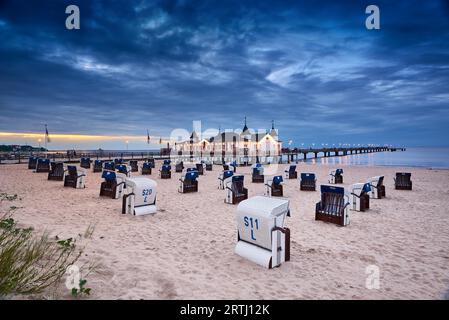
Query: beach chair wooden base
165	175
146	171
293	175
338	179
258	179
208	167
277	191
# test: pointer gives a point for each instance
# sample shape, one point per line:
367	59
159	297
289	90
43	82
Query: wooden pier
297	154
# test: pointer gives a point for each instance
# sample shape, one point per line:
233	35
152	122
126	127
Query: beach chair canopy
85	159
277	180
109	175
339	171
98	162
366	188
307	176
292	169
191	175
122	168
191	169
257	170
147	165
166	168
167	162
72	170
43	161
227	174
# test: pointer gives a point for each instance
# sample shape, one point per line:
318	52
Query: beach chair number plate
251	222
146	193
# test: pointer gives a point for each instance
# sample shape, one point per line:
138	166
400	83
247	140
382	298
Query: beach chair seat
291	172
333	206
359	196
75	177
112	186
139	197
223	177
85	163
336	176
42	165
403	181
56	172
200	168
32	162
98	166
274	187
147	168
236	192
134	166
377	187
179	166
308	182
165	171
261	235
124	169
257	176
188	181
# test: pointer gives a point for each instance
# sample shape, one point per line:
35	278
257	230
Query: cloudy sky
312	67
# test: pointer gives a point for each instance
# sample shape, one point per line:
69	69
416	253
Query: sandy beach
185	250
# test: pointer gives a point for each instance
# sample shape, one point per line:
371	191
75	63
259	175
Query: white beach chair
262	237
140	196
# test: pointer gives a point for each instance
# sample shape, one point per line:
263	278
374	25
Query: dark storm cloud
313	68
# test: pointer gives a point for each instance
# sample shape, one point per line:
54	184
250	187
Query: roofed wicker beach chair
32	161
109	165
98	166
233	165
274	187
403	181
208	166
359	196
112	186
134	166
257	176
226	167
336	176
179	166
43	165
56	172
188	181
85	163
377	187
75	177
223	177
118	162
334	206
200	168
235	190
165	171
308	182
146	168
291	173
124	168
151	161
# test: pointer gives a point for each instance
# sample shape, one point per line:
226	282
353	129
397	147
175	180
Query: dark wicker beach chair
189	182
123	168
308	182
134	166
72	178
147	167
236	192
110	186
200	168
85	163
208	166
56	172
377	184
179	166
333	206
165	172
109	166
43	165
275	187
403	181
32	162
225	167
98	166
291	172
257	176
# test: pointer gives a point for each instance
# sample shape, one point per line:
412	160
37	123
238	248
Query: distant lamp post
39	140
127	145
